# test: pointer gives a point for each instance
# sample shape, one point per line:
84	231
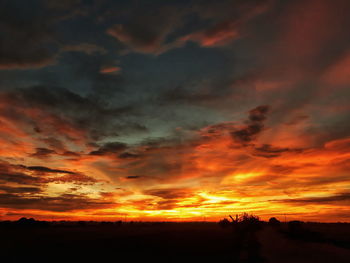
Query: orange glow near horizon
222	178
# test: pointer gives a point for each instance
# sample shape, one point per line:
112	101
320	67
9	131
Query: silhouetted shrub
243	222
30	222
249	222
245	217
273	221
25	220
224	223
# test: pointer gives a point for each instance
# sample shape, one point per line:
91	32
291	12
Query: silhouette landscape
175	131
241	239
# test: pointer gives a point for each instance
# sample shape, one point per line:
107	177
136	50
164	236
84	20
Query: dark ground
173	242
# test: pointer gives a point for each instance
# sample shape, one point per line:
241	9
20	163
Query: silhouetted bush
26	221
243	222
224	223
30	222
249	222
245	217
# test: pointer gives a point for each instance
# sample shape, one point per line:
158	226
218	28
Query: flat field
173	242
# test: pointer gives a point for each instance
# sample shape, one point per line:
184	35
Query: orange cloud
229	30
218	35
108	70
212	174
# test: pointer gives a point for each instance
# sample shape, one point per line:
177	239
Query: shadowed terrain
29	240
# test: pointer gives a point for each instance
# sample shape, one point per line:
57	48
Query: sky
174	110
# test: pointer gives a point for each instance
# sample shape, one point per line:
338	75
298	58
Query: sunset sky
174	110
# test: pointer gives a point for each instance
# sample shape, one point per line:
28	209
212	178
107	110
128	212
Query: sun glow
240	177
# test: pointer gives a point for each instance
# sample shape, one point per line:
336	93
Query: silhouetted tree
224	223
26	222
244	222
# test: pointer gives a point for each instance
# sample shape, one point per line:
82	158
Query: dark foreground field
173	242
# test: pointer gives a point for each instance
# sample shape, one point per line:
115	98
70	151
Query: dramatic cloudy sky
174	110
